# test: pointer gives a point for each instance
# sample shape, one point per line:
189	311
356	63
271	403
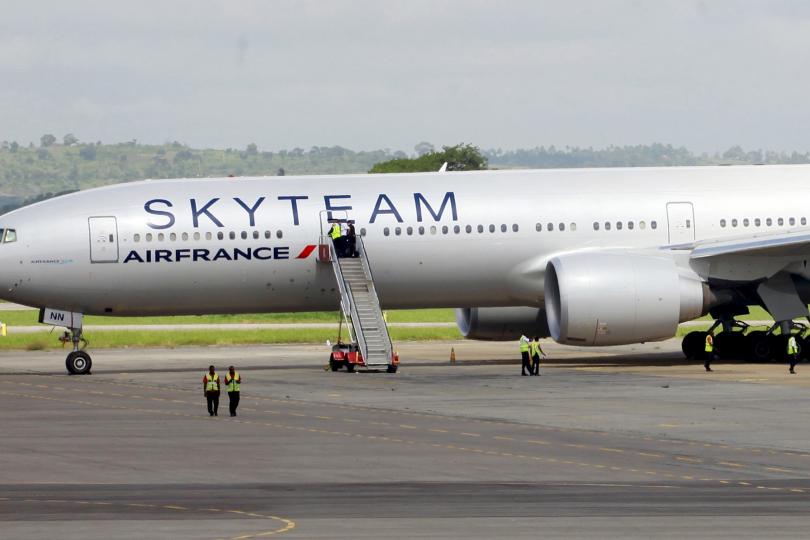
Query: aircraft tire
78	363
804	348
729	345
391	368
692	344
759	347
349	367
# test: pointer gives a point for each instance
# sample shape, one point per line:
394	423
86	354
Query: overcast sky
376	74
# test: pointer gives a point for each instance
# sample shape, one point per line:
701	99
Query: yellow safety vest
335	231
709	343
211	384
535	348
524	346
231	384
792	347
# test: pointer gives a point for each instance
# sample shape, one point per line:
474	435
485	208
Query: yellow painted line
668	425
502	438
744	483
436	430
349	420
572	445
324	417
795	490
297	414
617	450
466	434
689	459
407	426
172	507
778	469
730	464
648	454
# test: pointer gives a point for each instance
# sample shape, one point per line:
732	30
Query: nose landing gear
78	362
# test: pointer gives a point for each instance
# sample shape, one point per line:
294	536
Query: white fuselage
453	239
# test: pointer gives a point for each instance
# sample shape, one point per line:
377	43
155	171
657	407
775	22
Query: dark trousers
526	363
536	365
213	402
233	402
794	359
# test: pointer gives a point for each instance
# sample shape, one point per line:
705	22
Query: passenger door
103	239
681	222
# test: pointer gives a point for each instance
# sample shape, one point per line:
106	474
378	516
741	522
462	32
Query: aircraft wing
793	244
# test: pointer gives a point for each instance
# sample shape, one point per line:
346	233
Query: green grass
29	318
182	338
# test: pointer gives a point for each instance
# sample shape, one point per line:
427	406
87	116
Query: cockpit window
9	236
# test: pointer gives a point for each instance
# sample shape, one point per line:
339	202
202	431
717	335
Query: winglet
443	168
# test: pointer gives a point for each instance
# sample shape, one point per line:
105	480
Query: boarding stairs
360	304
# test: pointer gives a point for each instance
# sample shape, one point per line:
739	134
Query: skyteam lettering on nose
213	211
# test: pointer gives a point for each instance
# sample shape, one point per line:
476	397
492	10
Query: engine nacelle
501	323
619	298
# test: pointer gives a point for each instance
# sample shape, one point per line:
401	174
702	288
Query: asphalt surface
612	443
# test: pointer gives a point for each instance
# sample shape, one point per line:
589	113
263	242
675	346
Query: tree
462	157
252	149
280	171
43	154
88	152
47	140
423	148
13	147
70	139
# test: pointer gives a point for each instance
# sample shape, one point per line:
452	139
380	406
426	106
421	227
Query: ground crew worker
337	238
793	353
524	356
211	390
709	352
232	382
351	241
536	351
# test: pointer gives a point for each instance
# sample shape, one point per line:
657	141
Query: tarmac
627	442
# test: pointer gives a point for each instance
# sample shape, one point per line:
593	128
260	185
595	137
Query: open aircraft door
681	222
103	239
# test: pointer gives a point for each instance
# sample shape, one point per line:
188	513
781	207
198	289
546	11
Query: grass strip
183	338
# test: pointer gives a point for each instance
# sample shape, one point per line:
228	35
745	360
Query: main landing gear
78	362
736	341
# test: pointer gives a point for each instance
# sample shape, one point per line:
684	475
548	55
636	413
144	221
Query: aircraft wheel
692	344
759	346
779	348
349	367
391	368
78	363
804	348
729	345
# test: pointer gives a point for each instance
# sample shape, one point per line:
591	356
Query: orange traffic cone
452	355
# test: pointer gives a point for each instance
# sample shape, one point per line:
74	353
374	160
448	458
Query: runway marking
649	454
690	459
407	426
288	524
418	414
778	469
617	450
730	464
437	430
466	434
370	437
502	438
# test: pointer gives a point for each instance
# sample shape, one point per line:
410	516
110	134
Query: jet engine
501	323
619	298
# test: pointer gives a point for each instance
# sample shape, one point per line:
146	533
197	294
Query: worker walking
708	349
232	383
536	352
793	353
211	390
524	356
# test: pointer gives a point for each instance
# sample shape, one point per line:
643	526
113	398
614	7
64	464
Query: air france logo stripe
306	252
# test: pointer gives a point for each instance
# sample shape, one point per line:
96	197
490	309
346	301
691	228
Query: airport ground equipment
370	343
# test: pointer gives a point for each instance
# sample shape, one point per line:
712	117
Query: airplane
590	257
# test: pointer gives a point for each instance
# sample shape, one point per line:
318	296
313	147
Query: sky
369	74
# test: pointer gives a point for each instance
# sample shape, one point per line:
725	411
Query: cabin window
549	226
618	225
161	237
409	230
148	237
607	225
135	238
515	227
642	225
456	229
792	221
480	229
653	224
538	227
421	231
757	222
232	235
745	222
491	228
468	228
255	235
561	226
386	231
268	235
630	225
184	236
397	231
279	233
722	222
362	231
173	237
504	228
445	229
780	222
804	221
433	229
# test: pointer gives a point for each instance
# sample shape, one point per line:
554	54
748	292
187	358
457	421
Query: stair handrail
363	256
347	304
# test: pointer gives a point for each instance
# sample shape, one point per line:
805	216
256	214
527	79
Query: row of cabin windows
433	229
550	227
746	222
631	225
220	235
